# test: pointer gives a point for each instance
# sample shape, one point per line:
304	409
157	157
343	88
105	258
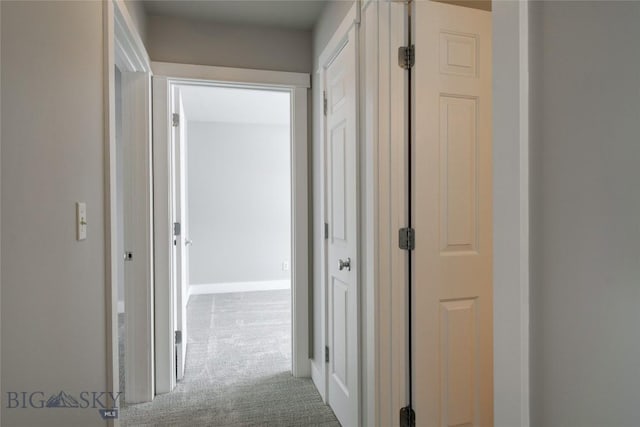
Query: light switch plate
81	220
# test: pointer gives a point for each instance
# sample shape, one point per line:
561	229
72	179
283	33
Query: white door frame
124	49
165	75
386	85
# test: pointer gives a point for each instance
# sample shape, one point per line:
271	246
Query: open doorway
231	232
232	214
175	90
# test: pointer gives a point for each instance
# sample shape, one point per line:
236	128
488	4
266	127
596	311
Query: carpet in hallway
238	369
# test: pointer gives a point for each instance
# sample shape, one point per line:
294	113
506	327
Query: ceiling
289	14
233	105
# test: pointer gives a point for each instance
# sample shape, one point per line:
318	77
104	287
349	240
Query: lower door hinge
326	354
175	120
407	417
406	56
326	230
177	337
407	238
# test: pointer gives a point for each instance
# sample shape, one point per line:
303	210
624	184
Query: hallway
238	370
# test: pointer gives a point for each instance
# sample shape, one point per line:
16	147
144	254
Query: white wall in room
331	17
585	213
171	39
239	202
53	287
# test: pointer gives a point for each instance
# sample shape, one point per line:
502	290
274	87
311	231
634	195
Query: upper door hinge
407	238
326	230
326	354
325	104
176	228
177	337
406	56
176	120
407	417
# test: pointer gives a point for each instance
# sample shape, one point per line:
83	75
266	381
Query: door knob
188	242
345	264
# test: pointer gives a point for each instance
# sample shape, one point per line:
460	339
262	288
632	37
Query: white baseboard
222	288
120	307
318	379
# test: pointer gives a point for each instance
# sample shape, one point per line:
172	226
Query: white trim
181	74
231	75
511	213
391	208
369	56
300	234
123	48
164	348
523	76
319	367
111	244
136	140
233	287
129	48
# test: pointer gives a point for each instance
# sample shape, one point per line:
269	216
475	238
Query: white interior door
181	242
342	211
452	216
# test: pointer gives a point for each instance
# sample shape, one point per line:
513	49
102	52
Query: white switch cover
285	266
81	218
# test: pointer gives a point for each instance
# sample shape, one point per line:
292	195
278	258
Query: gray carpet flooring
238	369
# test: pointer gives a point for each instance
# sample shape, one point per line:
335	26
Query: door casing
124	49
166	75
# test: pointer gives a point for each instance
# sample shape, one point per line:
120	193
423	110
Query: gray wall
171	39
331	17
53	287
138	17
239	204
585	213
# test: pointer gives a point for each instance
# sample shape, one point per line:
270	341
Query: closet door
452	216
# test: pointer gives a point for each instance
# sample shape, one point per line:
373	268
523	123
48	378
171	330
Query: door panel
342	196
451	209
